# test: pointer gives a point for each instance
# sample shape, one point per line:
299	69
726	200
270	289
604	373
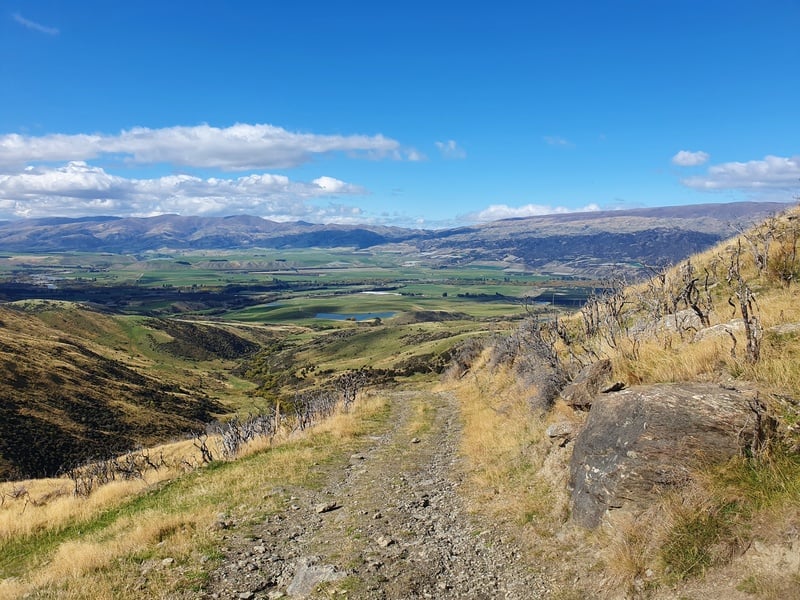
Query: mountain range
571	242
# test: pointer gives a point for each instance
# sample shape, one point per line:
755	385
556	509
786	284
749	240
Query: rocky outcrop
641	441
587	384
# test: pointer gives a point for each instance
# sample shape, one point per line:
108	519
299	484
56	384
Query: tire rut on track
390	524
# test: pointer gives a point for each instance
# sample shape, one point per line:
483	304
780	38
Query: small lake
355	316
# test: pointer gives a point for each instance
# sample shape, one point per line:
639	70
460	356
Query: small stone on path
325	507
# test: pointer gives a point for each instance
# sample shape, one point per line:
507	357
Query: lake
355	316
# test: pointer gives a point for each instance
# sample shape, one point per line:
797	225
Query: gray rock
562	432
721	330
309	575
324	507
642	440
587	384
683	320
785	329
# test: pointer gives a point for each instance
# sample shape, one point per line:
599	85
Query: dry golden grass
662	543
50	504
100	565
518	476
501	442
106	560
653	363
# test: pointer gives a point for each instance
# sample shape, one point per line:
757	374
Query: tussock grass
519	476
707	524
501	442
653	363
33	506
100	546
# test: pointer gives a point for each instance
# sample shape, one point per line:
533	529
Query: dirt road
387	524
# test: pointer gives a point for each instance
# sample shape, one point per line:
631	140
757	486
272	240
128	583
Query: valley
221	333
380	422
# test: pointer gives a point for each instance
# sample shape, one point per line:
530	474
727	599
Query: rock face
582	391
643	440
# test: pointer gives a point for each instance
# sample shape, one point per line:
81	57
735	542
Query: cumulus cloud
331	185
34	25
503	211
79	189
686	158
450	149
236	148
771	173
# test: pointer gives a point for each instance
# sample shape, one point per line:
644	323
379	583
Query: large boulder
641	441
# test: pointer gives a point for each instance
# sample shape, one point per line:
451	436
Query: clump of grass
699	537
653	363
629	549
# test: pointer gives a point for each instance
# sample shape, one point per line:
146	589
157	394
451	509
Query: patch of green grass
762	482
749	585
709	535
692	544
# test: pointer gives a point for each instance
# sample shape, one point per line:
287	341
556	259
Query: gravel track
389	524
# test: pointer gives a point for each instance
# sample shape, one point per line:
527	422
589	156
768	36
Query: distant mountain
131	235
588	243
574	242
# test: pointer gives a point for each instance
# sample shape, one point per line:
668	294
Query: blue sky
425	114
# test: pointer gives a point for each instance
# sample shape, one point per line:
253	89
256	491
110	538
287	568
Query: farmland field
301	286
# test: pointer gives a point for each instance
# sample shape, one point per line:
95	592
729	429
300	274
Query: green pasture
307	307
385	346
306	282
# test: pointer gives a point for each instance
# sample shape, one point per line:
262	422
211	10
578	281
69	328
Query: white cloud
554	140
34	25
772	173
79	189
332	185
236	148
686	158
450	149
503	211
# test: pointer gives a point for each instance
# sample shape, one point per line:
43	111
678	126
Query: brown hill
64	398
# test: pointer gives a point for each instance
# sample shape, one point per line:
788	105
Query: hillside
650	442
75	387
669	408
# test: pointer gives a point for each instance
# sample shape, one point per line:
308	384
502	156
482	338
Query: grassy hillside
156	537
730	315
81	384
